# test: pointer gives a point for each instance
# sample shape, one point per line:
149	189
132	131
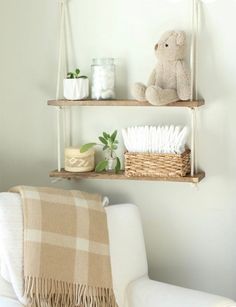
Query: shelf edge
122	103
112	176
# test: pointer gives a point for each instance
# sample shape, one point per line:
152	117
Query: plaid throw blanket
66	249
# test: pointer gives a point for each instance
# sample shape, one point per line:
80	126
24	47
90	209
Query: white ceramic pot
76	89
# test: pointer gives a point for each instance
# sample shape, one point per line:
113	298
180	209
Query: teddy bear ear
180	40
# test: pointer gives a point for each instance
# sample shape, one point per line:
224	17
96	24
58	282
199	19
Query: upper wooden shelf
122	103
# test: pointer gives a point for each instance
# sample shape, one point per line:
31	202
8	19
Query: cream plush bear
170	80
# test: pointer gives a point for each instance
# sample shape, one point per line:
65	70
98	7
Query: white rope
193	49
64	72
61	54
65	37
69	113
196	119
194	81
58	140
197	25
192	141
61	45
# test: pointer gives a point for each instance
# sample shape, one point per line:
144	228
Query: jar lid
103	61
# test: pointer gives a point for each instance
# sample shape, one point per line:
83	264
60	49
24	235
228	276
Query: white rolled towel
160	139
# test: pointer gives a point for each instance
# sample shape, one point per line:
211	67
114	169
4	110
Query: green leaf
118	165
101	166
106	136
82	77
70	75
86	147
113	136
105	147
77	71
103	140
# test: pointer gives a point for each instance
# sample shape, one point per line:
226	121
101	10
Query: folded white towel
161	139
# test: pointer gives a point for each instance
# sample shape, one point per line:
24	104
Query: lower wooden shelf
121	176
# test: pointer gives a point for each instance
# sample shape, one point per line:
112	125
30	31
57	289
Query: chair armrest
127	248
8	302
148	293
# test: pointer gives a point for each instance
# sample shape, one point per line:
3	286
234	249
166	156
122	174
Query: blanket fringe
43	292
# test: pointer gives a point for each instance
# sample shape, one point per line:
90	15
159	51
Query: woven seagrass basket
157	165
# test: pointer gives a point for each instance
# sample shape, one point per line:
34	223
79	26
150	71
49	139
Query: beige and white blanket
66	249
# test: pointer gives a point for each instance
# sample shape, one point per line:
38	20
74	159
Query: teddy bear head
171	46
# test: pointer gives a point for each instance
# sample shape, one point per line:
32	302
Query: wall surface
190	232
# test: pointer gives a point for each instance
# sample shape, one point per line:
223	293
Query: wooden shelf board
121	176
117	103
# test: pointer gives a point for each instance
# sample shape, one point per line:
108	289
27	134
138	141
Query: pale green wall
190	233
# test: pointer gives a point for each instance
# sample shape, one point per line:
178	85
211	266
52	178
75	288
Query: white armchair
131	284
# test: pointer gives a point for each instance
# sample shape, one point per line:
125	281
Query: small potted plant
109	144
76	87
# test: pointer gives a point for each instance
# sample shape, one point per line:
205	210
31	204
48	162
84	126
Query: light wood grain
121	176
121	103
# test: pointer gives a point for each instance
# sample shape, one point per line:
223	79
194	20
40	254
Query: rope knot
62	2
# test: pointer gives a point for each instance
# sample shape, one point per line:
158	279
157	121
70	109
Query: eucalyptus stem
109	143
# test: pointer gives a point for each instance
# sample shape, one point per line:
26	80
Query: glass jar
103	78
111	159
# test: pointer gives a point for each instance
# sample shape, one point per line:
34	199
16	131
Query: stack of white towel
160	139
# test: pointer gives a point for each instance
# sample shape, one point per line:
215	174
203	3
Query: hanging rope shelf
193	104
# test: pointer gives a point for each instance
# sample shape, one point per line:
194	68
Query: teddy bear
170	79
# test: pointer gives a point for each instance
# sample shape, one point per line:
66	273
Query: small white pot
76	89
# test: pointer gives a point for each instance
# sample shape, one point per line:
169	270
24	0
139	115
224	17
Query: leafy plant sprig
75	75
108	143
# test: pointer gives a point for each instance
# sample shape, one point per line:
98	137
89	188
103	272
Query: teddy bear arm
183	81
152	78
